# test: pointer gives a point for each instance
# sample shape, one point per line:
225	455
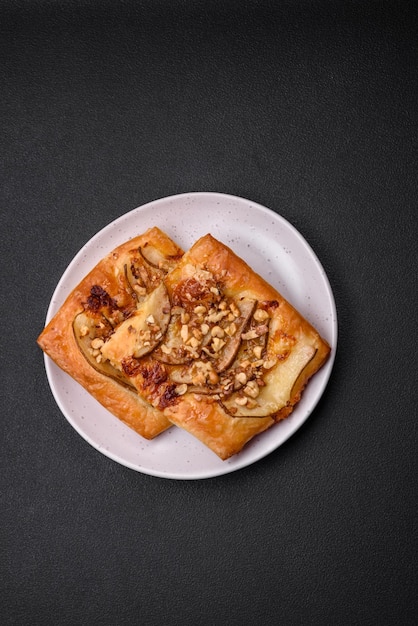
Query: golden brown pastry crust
208	422
201	416
58	342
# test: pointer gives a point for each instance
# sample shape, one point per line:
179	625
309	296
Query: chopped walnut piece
241	378
231	329
267	365
234	309
200	309
185	317
84	330
217	344
192	352
177	310
251	389
217	331
241	400
260	315
251	334
216	316
205	328
257	350
184	333
194	342
97	343
181	389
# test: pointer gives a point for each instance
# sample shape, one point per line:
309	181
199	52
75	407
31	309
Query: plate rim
57	299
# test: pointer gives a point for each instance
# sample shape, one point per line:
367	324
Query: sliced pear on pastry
140	333
90	331
232	343
141	276
181	346
157	259
173	351
277	391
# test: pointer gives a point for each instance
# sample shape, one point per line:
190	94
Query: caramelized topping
201	342
99	299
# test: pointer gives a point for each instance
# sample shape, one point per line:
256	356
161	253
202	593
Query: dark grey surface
309	108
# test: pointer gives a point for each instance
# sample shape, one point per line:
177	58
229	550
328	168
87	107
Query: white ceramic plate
274	249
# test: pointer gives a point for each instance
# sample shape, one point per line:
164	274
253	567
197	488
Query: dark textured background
310	108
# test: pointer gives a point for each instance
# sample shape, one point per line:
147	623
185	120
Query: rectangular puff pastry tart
196	339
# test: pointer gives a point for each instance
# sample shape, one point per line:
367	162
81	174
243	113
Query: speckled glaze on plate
274	249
